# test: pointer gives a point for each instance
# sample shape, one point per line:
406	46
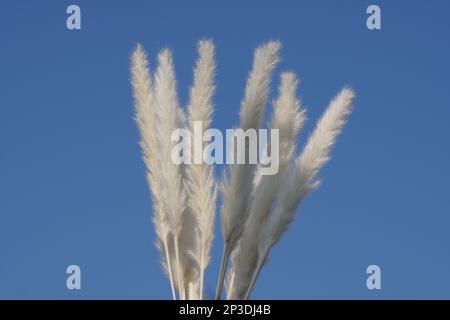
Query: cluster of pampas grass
256	209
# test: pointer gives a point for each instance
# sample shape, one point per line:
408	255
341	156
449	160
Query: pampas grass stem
146	119
287	119
223	268
236	190
301	179
200	183
169	119
180	277
169	267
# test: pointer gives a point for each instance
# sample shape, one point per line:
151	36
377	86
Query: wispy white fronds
201	187
200	106
146	120
170	118
301	180
256	209
238	188
288	119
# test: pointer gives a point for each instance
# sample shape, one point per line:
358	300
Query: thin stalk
223	267
202	273
230	287
169	266
180	280
256	275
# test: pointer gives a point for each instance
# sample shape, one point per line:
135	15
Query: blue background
72	183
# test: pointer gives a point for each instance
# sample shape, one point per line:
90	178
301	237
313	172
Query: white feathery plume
146	120
301	180
288	119
237	189
170	118
200	183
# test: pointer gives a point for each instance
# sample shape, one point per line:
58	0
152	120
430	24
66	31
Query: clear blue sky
72	184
